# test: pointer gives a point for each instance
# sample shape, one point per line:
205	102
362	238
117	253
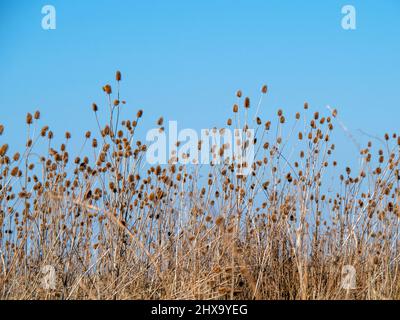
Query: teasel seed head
247	102
16	156
107	89
219	220
264	89
29	118
118	76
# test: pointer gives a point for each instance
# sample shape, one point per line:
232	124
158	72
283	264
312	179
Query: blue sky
185	60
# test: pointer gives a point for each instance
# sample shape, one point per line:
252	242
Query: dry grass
114	228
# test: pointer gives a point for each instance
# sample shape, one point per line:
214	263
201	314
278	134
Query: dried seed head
118	76
29	118
16	156
264	89
239	93
219	221
94	107
247	102
3	150
107	89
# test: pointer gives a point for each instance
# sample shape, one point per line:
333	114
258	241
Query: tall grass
116	228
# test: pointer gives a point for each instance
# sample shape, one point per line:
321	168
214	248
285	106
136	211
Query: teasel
3	150
264	89
16	156
107	89
43	131
247	102
118	76
219	221
29	118
94	107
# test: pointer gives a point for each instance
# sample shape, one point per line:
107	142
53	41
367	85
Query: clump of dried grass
113	228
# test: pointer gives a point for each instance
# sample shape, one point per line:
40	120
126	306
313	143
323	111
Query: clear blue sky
185	59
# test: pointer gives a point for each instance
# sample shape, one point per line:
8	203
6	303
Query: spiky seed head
107	89
264	89
247	102
118	76
29	118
